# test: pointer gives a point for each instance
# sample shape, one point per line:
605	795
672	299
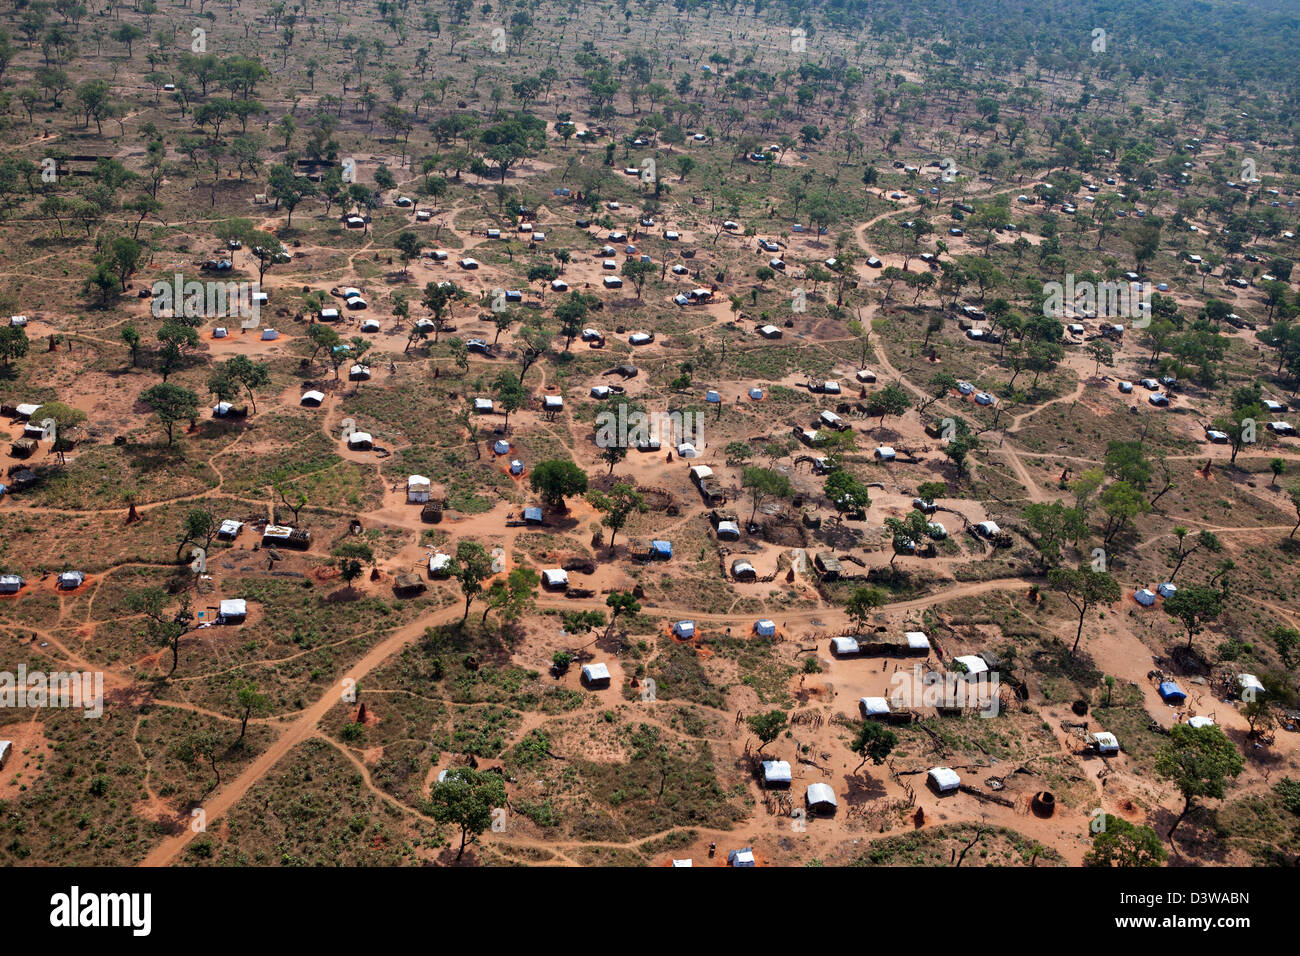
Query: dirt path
303	727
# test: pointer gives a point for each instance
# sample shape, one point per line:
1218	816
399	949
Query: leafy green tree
620	504
512	596
1193	607
162	629
471	566
1085	589
200	526
557	479
1198	761
1053	524
909	530
509	393
873	741
1122	503
1124	844
466	799
764	483
890	400
862	602
13	344
847	493
250	701
766	726
171	403
130	336
1287	642
66	418
620	602
245	372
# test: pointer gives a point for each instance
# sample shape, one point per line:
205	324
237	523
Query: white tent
1144	596
820	798
686	862
595	674
417	489
701	473
684	629
555	578
360	440
885	453
71	580
917	641
482	405
686	450
765	628
553	403
1249	682
1200	721
1107	743
743	857
229	528
944	779
728	529
232	609
974	665
843	646
312	397
439	564
988	528
1167	590
873	706
775	772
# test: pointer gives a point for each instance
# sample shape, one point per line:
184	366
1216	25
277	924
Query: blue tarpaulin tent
661	549
1172	693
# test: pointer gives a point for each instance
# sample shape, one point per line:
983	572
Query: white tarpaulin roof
776	771
1200	721
917	641
684	628
555	577
873	706
844	645
819	793
595	672
974	665
1106	742
233	607
1250	682
944	778
765	628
